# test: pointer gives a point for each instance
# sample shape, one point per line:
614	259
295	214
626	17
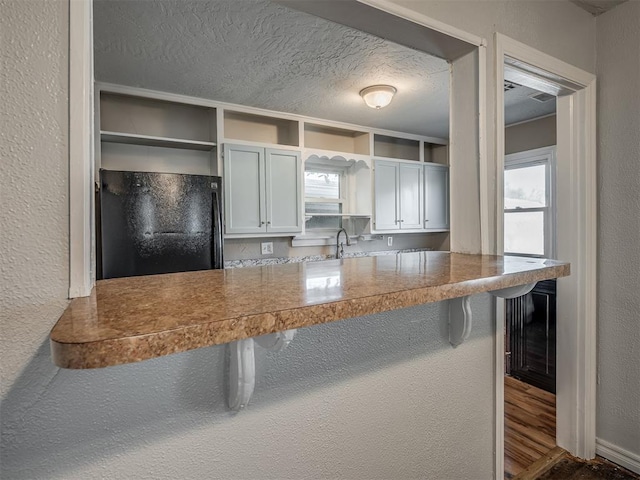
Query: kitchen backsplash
247	252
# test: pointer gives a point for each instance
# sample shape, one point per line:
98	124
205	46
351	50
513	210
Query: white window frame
530	158
342	172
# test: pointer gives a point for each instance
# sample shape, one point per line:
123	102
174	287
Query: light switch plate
267	248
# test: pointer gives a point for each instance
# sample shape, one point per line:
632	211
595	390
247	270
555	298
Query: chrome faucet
340	245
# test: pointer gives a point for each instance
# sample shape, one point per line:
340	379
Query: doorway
575	236
530	321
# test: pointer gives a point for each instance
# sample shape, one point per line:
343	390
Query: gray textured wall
380	397
34	210
618	415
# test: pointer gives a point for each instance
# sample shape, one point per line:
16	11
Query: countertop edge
132	349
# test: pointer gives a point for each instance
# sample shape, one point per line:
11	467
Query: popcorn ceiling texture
271	57
618	401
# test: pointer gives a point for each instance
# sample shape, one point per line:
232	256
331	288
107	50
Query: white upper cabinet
263	190
387	203
244	192
398	194
411	196
436	180
284	191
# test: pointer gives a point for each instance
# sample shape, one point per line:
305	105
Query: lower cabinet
263	190
531	336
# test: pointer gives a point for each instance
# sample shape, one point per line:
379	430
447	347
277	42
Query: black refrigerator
153	223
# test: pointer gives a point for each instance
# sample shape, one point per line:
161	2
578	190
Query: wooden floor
529	425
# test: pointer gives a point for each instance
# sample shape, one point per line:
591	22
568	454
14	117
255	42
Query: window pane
328	207
524	232
322	185
525	187
332	223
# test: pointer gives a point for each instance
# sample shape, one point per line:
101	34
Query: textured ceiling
265	55
519	107
257	53
597	7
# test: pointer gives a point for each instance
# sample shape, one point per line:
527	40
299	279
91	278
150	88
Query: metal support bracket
460	317
242	365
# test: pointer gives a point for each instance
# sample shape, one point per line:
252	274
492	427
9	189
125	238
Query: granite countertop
127	320
260	262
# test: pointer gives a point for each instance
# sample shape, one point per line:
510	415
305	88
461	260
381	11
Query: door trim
576	239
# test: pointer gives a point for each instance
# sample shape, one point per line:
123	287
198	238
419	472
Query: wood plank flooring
529	425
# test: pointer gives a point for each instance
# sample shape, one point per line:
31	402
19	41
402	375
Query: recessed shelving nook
336	139
396	147
435	153
249	127
149	134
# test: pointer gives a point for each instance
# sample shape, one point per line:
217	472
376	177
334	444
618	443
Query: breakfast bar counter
132	319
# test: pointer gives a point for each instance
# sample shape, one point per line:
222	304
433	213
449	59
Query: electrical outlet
267	248
389	241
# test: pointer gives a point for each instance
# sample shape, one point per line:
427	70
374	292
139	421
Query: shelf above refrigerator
151	141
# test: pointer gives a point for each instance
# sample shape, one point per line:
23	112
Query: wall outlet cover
389	241
267	248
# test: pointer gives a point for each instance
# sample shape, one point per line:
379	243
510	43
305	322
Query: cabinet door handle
261	223
268	223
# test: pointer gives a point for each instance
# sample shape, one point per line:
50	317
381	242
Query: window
529	213
324	198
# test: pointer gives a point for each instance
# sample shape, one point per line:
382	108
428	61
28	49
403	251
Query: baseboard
620	456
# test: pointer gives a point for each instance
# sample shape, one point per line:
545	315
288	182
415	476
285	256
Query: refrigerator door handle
217	257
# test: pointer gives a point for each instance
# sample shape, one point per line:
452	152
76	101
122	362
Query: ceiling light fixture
378	96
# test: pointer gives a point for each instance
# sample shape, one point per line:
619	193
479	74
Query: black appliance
153	223
531	336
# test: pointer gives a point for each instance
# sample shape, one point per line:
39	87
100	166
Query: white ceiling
256	53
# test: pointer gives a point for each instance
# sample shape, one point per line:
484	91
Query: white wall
618	400
380	397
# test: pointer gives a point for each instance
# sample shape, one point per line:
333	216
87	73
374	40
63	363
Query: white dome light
378	96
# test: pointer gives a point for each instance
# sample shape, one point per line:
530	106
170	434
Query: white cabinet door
411	196
386	186
284	191
436	181
244	195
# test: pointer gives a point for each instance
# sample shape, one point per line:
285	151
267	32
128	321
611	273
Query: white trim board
81	161
618	455
576	241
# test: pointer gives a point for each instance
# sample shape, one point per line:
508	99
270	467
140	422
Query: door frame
576	243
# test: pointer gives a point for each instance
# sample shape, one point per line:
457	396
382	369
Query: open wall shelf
152	141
